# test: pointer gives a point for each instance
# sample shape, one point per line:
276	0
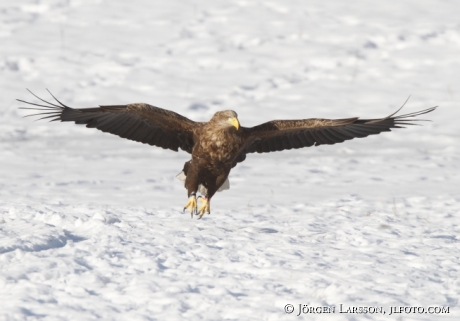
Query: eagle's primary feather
221	143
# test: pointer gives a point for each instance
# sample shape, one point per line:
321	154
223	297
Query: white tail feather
181	176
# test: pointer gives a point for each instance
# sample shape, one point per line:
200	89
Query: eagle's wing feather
278	135
139	122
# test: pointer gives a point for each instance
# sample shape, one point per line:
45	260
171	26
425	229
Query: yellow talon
192	204
204	207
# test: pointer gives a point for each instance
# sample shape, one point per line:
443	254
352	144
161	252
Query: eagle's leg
205	206
191	171
192	204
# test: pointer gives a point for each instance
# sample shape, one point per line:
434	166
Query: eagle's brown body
212	156
218	145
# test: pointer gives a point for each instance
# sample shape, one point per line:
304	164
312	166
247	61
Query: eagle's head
226	118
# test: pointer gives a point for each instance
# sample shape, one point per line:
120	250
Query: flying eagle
220	144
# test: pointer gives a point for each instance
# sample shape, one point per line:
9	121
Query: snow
91	225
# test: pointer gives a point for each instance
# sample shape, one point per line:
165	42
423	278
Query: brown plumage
218	145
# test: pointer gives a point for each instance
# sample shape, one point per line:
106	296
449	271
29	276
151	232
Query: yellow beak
234	122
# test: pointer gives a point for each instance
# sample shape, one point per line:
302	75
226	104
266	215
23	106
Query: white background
91	225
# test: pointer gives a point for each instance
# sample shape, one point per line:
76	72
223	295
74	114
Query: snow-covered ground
91	225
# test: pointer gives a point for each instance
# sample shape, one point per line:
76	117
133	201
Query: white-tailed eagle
218	145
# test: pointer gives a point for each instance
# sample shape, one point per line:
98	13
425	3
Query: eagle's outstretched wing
139	122
278	135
